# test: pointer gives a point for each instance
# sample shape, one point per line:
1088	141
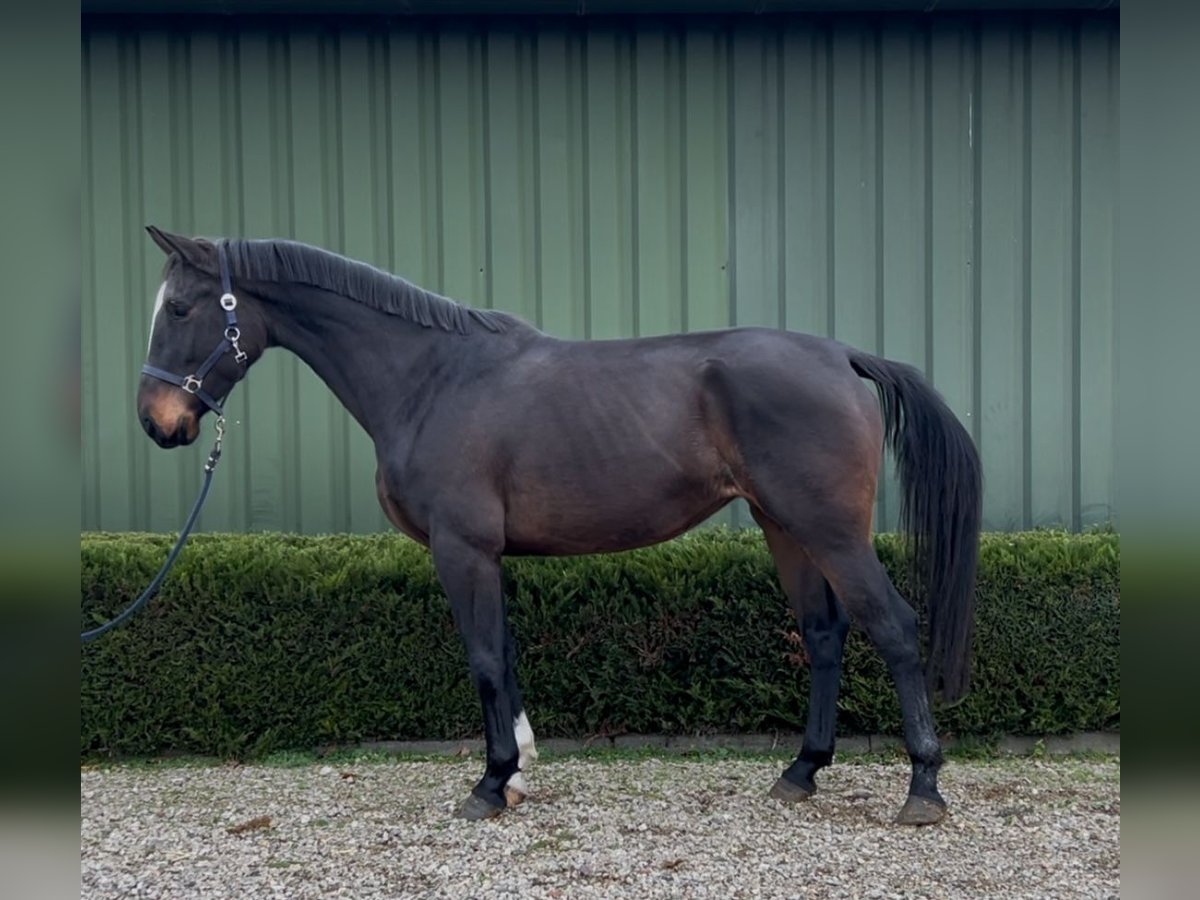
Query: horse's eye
176	309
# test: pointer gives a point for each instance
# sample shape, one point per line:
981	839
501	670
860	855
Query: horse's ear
197	252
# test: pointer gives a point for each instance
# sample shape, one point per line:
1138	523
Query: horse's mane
298	263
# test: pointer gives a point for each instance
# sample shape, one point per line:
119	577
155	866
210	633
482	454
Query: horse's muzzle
168	419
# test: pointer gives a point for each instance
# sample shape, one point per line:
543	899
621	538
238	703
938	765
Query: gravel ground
625	827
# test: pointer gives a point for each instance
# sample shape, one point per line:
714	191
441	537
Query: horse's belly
610	514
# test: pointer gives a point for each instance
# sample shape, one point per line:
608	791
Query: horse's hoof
921	811
789	791
475	808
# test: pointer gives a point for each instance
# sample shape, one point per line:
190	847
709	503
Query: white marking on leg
525	747
158	304
517	788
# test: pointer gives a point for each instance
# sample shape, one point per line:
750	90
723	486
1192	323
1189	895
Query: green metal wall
941	190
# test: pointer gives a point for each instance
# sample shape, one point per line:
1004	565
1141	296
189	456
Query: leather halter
194	383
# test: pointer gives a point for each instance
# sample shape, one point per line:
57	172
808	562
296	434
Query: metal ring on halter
233	334
191	384
228	302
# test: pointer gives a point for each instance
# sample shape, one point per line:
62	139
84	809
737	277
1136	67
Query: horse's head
204	334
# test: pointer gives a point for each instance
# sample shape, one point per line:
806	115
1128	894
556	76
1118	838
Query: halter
194	383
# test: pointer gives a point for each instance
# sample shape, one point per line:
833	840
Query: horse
494	438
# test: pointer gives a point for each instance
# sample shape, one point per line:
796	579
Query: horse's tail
941	478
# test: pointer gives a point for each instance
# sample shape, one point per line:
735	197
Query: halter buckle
191	384
228	302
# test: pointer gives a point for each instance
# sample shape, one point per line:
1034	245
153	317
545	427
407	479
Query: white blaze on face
158	304
526	754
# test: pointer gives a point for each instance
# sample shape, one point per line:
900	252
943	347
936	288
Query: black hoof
475	808
790	792
921	811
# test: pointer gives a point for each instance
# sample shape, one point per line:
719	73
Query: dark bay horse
494	438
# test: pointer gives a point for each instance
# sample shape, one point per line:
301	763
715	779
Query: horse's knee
487	672
825	639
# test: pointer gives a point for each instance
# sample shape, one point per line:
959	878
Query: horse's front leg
469	570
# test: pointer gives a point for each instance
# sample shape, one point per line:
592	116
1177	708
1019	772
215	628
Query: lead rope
213	457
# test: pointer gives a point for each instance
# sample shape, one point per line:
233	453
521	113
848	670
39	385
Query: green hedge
267	642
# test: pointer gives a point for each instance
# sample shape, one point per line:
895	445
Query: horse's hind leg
832	524
824	625
807	452
862	584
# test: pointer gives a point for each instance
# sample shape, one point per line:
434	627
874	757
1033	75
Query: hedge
265	642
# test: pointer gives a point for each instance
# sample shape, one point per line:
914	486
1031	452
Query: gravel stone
645	828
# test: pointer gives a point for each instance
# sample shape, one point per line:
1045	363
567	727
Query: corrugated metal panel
575	177
944	193
939	190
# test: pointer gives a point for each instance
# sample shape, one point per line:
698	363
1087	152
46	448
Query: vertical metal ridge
830	211
231	127
292	376
882	493
928	153
677	97
331	158
576	174
428	218
136	260
585	85
719	85
380	75
816	148
489	279
527	148
230	202
879	207
439	190
184	158
244	500
535	87
389	179
975	124
731	183
91	454
124	89
283	441
635	206
1076	280
1027	284
380	245
780	182
477	159
682	161
186	189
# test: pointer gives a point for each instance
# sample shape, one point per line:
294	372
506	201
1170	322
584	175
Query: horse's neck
370	360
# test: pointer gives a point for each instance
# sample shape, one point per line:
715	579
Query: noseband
194	383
